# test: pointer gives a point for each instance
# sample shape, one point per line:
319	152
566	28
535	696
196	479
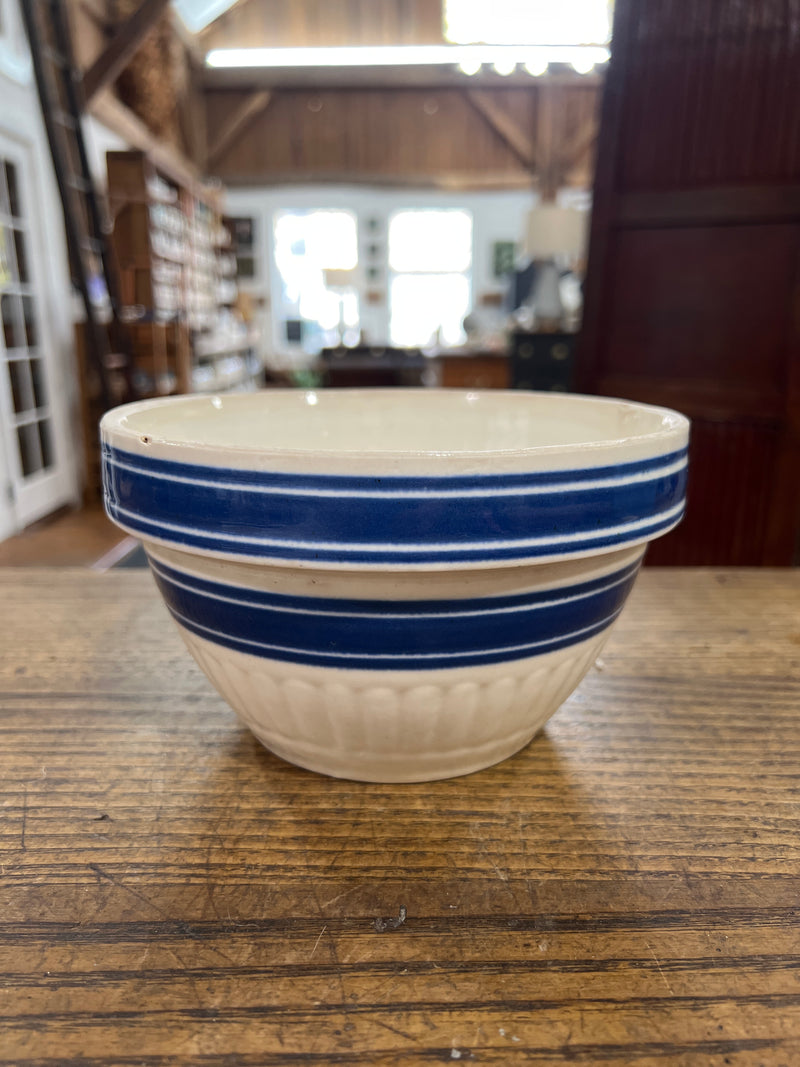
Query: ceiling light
470	64
583	64
537	65
505	65
347	56
468	58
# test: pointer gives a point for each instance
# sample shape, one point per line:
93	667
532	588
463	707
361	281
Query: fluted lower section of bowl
394	728
389	676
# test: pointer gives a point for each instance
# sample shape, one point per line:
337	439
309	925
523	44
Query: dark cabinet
543	361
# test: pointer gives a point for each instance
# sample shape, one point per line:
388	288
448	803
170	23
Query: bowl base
394	726
427	767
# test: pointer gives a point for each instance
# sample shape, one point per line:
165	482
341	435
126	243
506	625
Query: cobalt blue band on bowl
410	635
394	520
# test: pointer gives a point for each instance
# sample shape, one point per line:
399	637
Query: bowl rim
672	432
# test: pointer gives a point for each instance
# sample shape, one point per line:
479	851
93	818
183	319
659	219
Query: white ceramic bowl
394	585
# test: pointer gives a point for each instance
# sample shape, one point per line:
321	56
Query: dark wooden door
693	283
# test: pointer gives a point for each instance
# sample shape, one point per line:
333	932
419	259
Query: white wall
99	140
497	216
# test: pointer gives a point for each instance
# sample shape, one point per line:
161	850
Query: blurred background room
573	195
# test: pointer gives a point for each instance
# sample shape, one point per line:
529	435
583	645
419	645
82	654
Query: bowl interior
393	421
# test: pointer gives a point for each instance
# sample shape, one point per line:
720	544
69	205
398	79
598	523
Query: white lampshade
554	231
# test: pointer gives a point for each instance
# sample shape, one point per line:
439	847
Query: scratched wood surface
625	891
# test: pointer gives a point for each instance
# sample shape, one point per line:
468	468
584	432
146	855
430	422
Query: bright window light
197	14
545	22
430	241
430	258
425	308
308	245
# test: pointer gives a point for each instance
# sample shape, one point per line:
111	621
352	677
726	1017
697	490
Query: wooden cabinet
543	361
475	371
691	294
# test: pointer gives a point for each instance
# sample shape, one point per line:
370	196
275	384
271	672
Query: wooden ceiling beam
460	181
549	174
576	146
122	47
367	79
506	128
239	120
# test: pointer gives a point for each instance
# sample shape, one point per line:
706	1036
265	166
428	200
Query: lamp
552	231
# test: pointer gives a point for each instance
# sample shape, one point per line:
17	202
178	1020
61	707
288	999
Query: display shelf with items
177	270
241	232
227	267
149	238
200	271
226	359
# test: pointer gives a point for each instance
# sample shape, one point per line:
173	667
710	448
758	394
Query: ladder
58	83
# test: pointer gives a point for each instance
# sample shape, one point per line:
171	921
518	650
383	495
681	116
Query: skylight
197	14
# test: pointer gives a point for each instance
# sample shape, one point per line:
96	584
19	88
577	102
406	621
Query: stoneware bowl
394	585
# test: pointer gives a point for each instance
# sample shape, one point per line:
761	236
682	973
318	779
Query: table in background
627	889
375	366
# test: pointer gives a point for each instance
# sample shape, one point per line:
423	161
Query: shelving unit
178	281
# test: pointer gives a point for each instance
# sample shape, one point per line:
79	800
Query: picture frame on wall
504	255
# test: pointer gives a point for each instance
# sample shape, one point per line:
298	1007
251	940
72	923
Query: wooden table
625	891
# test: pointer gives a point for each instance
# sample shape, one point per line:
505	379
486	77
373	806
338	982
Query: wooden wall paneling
703	303
313	23
721	84
578	121
692	284
363	135
518	139
427	136
237	124
725	455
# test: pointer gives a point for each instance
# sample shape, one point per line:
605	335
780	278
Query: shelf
173	264
231	347
208	378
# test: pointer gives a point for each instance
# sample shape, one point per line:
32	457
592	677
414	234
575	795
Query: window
29	417
316	253
430	260
14	58
535	22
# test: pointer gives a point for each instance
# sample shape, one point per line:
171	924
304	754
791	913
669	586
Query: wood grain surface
624	891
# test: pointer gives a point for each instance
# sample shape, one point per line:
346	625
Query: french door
35	467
